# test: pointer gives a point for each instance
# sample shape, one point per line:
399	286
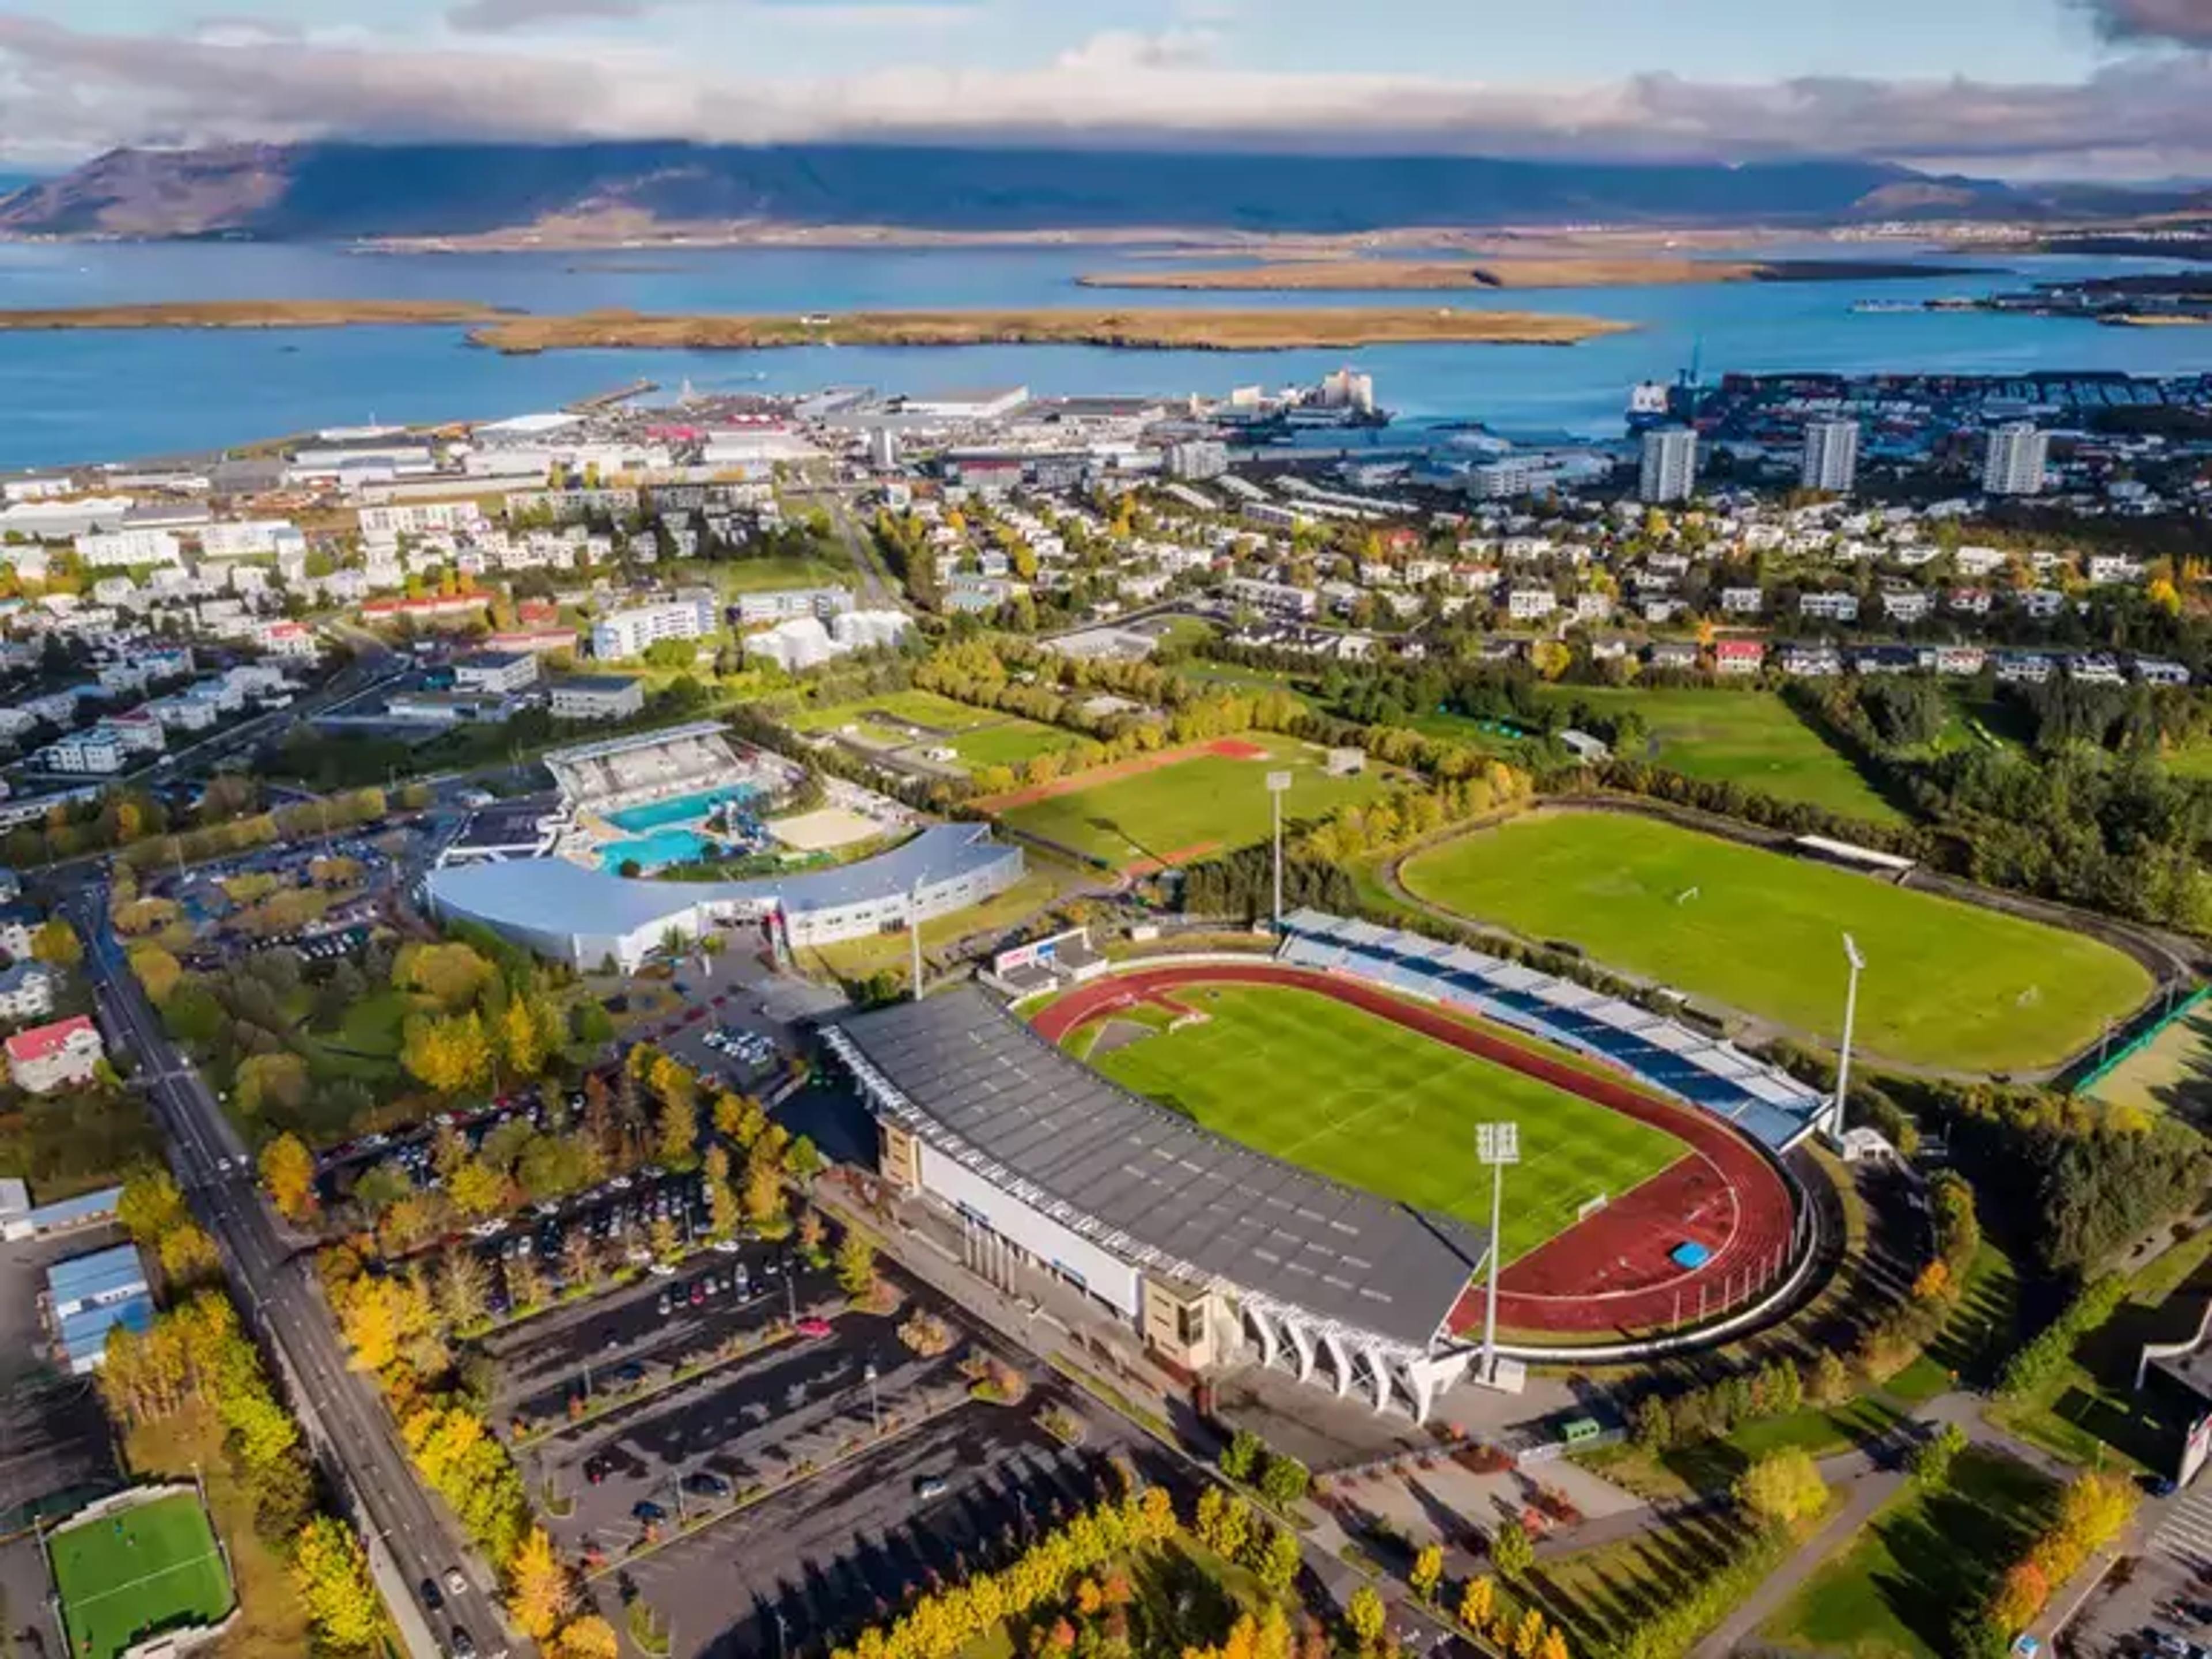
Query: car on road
455	1585
930	1486
464	1646
433	1597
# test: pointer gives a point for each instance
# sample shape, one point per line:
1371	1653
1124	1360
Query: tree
856	1265
1653	1425
1476	1601
1832	1379
330	1569
763	1196
465	1288
678	1135
151	1204
188	1255
57	945
1241	1456
543	1594
663	1238
723	1212
1529	1635
1512	1551
1279	1560
1428	1570
1364	1616
2020	1596
1933	1457
449	1053
588	1637
1555	1644
288	1169
158	972
1284	1480
1783	1488
478	1189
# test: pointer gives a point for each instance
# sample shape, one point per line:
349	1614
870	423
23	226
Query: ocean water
93	395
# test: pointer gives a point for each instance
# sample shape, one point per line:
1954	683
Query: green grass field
1012	741
1194	808
1364	1101
2174	1074
923	708
1749	738
150	1569
1948	984
1893	1593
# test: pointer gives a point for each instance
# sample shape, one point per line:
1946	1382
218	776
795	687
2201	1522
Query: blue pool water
682	809
662	847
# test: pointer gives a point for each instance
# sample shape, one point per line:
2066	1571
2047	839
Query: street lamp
875	1418
1278	784
1496	1145
1850	1013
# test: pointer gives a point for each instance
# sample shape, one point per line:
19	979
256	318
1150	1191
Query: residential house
1735	658
46	1058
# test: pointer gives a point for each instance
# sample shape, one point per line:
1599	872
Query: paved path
1865	1497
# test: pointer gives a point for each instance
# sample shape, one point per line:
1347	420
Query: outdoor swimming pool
680	808
662	847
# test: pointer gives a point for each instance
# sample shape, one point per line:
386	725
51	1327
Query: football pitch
1362	1100
1192	807
1948	984
123	1576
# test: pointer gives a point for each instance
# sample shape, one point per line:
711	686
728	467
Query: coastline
516	333
1188	330
1354	276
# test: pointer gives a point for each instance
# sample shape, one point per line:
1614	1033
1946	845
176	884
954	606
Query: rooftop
527	892
103	1273
44	1042
1149	1184
607	682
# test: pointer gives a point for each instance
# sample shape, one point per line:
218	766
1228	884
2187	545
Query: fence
2113	1059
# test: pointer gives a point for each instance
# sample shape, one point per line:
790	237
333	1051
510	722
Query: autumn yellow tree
330	1570
543	1593
288	1169
1529	1635
1476	1602
1428	1570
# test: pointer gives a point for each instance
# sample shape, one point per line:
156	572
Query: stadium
1273	1160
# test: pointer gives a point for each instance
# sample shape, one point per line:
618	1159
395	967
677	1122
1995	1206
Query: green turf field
1194	808
922	708
2173	1074
1011	742
1749	738
1948	985
123	1576
1367	1101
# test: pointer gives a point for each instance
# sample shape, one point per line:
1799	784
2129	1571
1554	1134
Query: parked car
704	1483
648	1511
812	1329
930	1486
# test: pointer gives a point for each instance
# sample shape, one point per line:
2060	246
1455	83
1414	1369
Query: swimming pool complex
679	809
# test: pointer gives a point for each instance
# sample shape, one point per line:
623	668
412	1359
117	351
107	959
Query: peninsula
1562	270
1188	330
251	314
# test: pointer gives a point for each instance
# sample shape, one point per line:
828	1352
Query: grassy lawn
1012	742
1246	679
1384	1108
2174	1074
1194	808
1600	1596
374	1024
272	1624
2090	1413
1749	738
857	958
754	576
922	708
1948	984
150	1569
1894	1592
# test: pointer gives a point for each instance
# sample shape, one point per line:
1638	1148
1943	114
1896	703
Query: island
252	314
1344	327
1549	271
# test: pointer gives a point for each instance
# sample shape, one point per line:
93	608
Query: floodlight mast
1844	1058
1496	1145
1277	782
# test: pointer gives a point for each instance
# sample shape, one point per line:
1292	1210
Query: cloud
81	90
497	16
2188	23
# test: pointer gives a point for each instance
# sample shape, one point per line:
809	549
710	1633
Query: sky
2021	89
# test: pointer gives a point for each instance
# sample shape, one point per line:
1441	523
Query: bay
82	397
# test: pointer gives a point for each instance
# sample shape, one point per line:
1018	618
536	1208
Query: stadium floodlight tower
1844	1058
1278	784
1496	1145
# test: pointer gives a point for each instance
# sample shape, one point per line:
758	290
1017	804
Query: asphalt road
347	1424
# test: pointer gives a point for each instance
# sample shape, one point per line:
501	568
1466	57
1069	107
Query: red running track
1611	1271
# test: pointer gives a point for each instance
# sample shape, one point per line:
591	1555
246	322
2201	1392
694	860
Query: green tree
1279	1561
1284	1480
56	944
1782	1488
1241	1456
856	1265
1364	1616
1512	1551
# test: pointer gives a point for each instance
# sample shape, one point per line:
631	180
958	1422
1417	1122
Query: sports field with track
1375	1105
149	1568
1948	985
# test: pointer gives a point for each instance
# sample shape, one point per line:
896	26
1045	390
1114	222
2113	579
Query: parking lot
842	1464
2160	1605
805	1567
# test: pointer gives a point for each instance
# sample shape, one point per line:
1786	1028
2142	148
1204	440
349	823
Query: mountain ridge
335	191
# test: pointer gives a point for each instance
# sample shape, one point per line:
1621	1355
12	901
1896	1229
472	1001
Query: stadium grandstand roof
599	750
1149	1184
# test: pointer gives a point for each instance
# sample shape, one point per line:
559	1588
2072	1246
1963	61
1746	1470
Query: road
879	590
347	1424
